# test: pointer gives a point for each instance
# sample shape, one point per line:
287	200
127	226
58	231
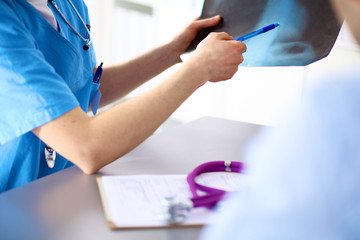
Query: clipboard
135	201
105	204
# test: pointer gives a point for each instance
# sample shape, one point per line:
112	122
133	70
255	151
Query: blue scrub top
43	75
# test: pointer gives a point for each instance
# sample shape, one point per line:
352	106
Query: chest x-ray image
307	32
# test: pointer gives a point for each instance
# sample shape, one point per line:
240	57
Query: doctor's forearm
119	80
93	142
128	124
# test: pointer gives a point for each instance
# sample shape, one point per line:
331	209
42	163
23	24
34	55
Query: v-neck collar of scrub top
42	7
62	25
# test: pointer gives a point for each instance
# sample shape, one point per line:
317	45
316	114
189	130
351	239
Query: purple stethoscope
177	210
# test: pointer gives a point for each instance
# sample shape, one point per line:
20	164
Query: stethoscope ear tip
87	45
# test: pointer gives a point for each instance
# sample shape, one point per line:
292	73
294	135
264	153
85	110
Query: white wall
257	95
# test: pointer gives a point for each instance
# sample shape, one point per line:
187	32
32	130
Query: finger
243	47
207	22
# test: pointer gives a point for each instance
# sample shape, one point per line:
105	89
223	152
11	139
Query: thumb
223	36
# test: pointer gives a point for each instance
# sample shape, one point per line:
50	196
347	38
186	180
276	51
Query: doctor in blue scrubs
47	84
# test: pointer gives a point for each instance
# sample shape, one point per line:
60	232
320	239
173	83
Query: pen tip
277	24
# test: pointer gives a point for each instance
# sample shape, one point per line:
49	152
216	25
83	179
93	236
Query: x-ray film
307	32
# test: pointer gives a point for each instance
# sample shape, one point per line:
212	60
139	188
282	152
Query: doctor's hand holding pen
91	142
218	56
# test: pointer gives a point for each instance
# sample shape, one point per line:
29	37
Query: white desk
67	205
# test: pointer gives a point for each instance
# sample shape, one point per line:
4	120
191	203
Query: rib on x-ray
308	29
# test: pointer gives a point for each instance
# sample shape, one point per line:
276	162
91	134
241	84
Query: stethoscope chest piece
50	156
176	210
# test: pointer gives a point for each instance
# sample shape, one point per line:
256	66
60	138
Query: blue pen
257	32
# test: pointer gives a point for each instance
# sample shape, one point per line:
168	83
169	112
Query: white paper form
136	201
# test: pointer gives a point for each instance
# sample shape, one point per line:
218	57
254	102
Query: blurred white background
123	29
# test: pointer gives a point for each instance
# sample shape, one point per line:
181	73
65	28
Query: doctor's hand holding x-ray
91	142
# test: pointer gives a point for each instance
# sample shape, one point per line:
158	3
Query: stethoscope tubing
213	195
87	40
209	200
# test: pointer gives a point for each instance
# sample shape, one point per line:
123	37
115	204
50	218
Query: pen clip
98	74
